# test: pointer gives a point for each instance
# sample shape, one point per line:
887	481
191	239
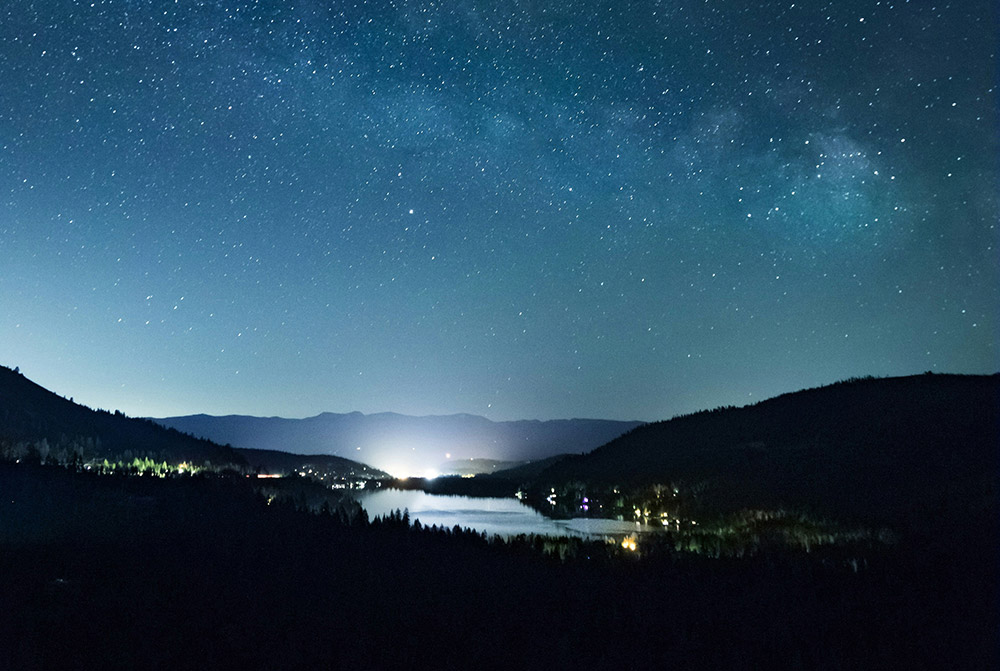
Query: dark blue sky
516	209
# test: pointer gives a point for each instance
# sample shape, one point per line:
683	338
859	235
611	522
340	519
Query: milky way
517	209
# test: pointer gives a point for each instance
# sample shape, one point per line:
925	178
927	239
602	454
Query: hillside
38	425
284	463
897	451
405	445
477	466
528	471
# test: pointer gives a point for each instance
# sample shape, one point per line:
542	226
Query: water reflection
502	516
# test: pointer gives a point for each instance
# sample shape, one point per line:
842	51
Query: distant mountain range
405	445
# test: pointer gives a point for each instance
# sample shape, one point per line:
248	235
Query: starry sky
624	209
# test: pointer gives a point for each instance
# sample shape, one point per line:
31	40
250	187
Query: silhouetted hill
283	463
477	466
37	424
405	445
529	470
921	449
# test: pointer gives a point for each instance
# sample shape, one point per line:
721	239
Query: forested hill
284	463
36	424
872	448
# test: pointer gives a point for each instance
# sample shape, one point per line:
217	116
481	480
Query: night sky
516	209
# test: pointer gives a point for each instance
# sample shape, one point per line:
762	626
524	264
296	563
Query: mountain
405	445
900	451
36	424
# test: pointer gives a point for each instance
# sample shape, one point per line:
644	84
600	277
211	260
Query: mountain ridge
390	413
405	444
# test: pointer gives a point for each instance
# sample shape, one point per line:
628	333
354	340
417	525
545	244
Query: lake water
502	516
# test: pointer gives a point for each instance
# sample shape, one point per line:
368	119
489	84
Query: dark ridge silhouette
528	471
901	450
476	466
284	463
38	425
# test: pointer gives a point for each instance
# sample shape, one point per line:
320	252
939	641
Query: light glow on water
505	517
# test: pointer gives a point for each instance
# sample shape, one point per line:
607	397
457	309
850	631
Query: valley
735	534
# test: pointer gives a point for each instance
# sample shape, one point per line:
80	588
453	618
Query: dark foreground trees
109	572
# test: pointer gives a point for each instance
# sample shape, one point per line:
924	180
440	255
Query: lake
502	516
